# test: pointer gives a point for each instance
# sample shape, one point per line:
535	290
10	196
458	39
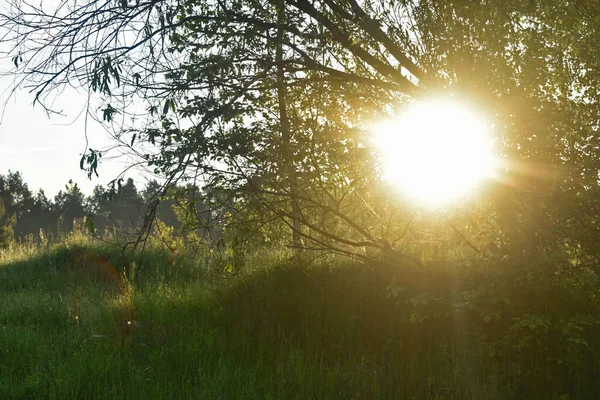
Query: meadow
80	320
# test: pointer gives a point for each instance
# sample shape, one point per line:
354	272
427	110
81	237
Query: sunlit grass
62	337
288	327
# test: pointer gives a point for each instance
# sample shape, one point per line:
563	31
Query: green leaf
89	223
169	104
166	107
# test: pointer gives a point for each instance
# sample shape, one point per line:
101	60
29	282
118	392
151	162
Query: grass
61	337
284	330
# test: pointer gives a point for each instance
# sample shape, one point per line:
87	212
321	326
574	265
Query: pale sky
47	150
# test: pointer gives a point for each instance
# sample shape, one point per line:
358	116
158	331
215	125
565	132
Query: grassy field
78	320
70	331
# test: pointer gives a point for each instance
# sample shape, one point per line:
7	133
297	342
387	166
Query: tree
41	215
18	201
17	196
528	65
239	72
121	211
164	209
69	205
6	227
232	92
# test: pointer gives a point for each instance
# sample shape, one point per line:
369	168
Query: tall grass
286	327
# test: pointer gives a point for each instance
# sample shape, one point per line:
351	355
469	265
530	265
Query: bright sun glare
436	152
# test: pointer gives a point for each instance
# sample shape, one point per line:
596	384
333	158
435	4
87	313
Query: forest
27	216
374	199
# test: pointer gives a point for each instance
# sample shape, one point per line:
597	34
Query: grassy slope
280	332
61	337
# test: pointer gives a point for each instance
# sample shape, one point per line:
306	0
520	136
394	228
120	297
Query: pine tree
7	223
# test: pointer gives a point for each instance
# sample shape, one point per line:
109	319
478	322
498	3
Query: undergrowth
82	319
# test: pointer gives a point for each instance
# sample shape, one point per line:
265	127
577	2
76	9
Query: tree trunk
288	166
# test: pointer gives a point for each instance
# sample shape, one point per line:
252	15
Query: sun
436	152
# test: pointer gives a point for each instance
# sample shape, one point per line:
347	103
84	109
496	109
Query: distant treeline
112	209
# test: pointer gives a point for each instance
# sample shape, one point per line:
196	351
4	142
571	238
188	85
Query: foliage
6	226
120	211
69	205
267	131
277	99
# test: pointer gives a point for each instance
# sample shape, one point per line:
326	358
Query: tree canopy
32	217
266	105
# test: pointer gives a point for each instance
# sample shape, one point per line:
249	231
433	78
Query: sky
46	150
